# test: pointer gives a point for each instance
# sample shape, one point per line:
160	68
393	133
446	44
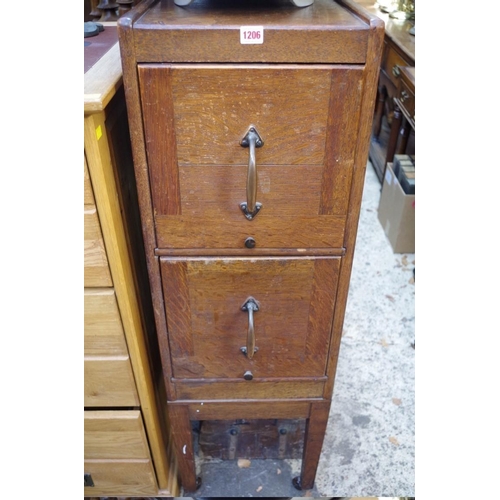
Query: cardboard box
396	213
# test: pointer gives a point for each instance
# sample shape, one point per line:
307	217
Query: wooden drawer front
103	330
96	269
108	382
392	62
115	435
117	454
88	194
131	478
407	99
207	328
195	119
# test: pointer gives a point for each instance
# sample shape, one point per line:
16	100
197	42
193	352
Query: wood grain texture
240	389
130	478
343	116
103	330
229	411
156	98
183	441
291	333
95	261
109	382
268	231
141	389
335	35
88	196
114	434
313	442
215	104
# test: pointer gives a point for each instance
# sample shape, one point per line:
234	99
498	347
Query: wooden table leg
183	442
313	441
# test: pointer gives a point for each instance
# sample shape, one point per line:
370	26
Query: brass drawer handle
396	71
250	306
251	140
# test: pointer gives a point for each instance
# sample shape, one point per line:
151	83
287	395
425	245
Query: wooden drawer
109	382
115	435
88	194
103	329
392	62
111	478
195	119
207	326
117	456
96	269
406	97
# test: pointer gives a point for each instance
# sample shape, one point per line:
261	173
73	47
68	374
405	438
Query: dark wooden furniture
399	52
404	112
250	163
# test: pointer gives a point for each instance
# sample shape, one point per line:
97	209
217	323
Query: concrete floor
369	447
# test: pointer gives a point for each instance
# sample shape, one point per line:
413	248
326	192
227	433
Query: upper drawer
207	325
195	119
392	61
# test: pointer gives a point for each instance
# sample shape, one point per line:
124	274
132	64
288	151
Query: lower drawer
211	330
117	457
122	478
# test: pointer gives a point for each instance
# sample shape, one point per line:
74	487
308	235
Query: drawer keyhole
248	375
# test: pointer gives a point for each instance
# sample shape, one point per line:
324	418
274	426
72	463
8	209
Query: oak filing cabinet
249	160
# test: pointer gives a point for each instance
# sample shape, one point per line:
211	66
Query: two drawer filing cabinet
249	160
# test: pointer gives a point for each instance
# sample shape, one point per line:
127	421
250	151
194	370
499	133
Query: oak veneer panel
103	329
254	389
130	478
96	269
109	382
214	411
208	328
114	435
267	230
215	105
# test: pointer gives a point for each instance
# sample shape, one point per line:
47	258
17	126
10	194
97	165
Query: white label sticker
251	34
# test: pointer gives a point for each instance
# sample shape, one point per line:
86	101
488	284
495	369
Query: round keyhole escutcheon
250	242
248	375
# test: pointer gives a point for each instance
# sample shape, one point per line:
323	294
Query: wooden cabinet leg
183	442
313	441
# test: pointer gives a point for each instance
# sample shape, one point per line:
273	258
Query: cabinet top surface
214	14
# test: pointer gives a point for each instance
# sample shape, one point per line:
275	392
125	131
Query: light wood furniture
250	162
399	52
126	436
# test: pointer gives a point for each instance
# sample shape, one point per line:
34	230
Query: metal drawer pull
396	71
251	140
250	306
